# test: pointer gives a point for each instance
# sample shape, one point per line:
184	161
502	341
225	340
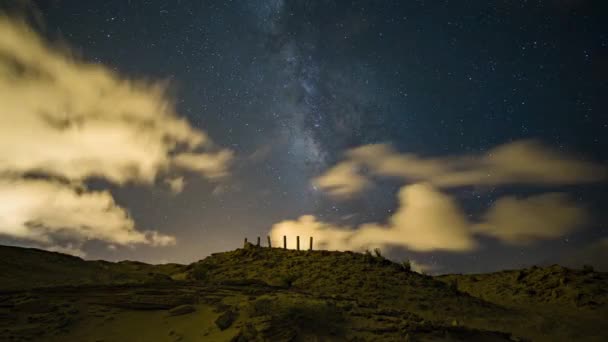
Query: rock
35	306
246	334
181	310
225	320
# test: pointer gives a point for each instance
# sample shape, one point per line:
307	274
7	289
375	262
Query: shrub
317	319
225	320
588	268
287	279
378	253
368	257
453	284
406	265
201	270
262	306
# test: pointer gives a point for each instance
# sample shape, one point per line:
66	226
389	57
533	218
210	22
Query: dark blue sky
290	85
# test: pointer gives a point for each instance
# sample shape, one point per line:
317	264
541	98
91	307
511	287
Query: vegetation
263	294
24	268
378	253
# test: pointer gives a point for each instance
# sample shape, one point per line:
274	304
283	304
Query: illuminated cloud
421	267
519	162
74	120
426	220
523	220
69	248
382	159
210	165
342	180
51	213
326	235
68	120
176	184
429	220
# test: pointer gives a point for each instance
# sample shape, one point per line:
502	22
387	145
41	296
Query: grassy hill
25	268
553	285
263	294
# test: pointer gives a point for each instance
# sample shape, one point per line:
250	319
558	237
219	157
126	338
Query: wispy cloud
342	180
519	162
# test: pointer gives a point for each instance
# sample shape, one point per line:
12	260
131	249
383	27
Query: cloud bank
66	121
45	211
519	162
523	220
428	219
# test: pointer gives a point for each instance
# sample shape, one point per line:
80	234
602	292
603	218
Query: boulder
225	320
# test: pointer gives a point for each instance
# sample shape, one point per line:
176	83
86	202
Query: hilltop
25	268
263	294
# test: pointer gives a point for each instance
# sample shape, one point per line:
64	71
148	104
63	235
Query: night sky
290	86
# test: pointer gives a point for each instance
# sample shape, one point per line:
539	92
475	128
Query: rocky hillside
25	268
262	294
554	285
368	279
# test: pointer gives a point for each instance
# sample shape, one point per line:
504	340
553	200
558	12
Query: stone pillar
297	242
245	244
269	243
284	241
258	244
310	248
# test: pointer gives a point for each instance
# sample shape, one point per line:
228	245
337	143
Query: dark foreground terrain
262	294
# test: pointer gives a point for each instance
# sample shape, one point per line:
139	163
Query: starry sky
287	88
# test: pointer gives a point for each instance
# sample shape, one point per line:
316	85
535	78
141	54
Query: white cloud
326	235
426	220
383	160
342	180
50	212
523	220
429	220
519	162
421	267
210	165
68	249
63	118
176	184
75	120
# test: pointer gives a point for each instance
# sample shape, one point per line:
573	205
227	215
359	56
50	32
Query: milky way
287	88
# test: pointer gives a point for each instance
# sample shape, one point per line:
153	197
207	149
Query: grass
272	294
